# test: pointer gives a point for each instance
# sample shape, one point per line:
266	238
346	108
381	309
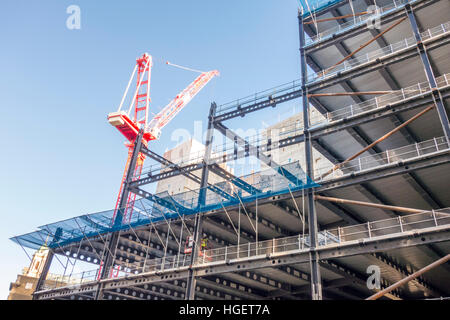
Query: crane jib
129	123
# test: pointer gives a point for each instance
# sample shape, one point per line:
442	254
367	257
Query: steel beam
316	282
47	262
410	277
114	236
251	276
375	64
316	133
354	277
362	27
167	174
422	50
224	174
184	172
403	271
171	204
387	170
190	288
409	136
350	248
252	150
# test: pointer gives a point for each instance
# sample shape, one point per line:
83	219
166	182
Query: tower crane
136	117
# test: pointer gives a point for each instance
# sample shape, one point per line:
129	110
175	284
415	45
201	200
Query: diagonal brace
252	150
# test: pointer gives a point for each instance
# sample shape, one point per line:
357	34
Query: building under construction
357	182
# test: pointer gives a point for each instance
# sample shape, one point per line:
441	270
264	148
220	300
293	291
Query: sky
59	156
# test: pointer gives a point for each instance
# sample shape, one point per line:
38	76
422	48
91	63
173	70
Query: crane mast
130	122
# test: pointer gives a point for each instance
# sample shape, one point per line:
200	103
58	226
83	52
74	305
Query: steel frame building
263	247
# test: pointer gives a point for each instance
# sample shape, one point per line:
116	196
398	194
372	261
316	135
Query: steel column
316	283
47	262
190	288
443	117
114	239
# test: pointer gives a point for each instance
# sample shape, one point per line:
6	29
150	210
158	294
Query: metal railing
351	110
316	119
356	21
373	55
259	96
379	102
296	128
54	281
335	236
397	225
286	245
387	157
296	84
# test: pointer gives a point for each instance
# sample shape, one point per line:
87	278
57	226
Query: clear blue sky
59	156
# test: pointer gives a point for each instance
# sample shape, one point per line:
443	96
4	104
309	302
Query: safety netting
164	206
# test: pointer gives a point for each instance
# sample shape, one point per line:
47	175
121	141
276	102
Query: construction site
353	186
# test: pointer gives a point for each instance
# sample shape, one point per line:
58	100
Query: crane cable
184	68
176	66
162	60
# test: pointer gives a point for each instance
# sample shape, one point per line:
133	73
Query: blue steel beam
233	179
261	156
185	172
92	223
172	205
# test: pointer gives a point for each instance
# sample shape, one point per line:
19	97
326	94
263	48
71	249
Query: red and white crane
136	117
